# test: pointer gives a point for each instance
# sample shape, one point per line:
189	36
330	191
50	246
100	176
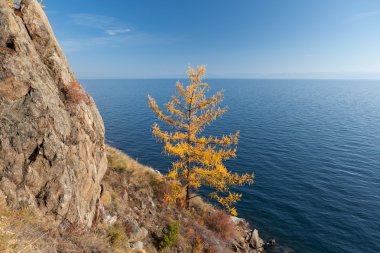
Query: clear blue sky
235	38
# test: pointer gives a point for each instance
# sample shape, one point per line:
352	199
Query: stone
52	155
255	241
109	219
238	221
139	246
135	232
237	246
125	195
270	243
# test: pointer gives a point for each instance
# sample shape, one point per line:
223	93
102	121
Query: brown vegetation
221	223
75	94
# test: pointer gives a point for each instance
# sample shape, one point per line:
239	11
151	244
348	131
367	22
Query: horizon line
239	78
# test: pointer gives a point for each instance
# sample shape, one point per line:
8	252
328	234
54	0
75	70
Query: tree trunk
187	197
187	205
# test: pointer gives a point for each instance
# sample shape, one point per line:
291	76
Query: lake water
314	146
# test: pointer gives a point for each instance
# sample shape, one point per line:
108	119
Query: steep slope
52	152
133	217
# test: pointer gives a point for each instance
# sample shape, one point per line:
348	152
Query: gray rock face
52	151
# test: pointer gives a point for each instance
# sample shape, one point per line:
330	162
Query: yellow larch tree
200	159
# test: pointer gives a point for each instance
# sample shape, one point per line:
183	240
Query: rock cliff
52	152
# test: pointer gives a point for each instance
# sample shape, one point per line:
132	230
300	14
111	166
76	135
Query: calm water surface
314	146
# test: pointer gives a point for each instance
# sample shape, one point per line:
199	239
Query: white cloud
117	31
110	25
116	34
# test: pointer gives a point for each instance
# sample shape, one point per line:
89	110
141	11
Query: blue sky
235	38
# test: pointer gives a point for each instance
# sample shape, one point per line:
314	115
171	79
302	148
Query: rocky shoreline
252	242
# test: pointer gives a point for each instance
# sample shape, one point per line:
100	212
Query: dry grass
25	231
120	161
75	94
138	174
21	231
106	198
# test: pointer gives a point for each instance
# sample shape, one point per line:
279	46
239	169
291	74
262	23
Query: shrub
196	240
116	235
106	198
170	235
198	244
161	189
220	222
75	94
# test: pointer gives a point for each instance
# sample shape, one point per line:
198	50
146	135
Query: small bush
196	240
220	222
170	235
161	189
198	244
75	94
106	198
116	235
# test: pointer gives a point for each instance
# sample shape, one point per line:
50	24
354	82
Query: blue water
314	146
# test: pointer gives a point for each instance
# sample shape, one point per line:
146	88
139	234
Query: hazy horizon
212	77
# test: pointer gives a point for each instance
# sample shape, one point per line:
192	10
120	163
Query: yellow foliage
200	158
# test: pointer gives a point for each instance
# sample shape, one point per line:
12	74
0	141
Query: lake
314	146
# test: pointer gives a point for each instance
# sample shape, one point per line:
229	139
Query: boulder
255	241
109	220
135	233
139	246
52	151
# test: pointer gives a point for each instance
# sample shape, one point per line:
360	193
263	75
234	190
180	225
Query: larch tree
200	158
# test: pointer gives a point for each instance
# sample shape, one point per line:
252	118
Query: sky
235	38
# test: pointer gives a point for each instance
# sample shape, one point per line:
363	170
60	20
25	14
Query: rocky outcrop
52	153
249	240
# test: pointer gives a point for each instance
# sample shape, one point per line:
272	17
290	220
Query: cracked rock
52	154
